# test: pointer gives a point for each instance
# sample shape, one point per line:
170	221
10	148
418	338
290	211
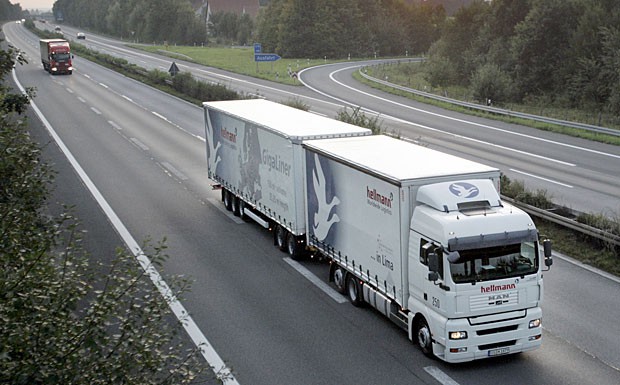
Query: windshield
495	263
60	57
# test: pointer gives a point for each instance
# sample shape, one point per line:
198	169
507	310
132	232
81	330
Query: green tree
453	58
65	318
540	46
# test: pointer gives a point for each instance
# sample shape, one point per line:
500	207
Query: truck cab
475	285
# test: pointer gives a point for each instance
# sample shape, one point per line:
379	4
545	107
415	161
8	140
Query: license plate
498	352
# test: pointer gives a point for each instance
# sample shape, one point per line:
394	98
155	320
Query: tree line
10	11
356	28
174	21
562	52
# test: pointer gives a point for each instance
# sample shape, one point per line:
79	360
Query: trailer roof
395	160
287	121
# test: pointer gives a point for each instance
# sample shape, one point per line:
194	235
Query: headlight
535	323
458	335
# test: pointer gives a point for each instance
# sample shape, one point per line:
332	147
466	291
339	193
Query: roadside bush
490	83
517	191
358	118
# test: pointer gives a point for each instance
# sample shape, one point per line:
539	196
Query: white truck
420	235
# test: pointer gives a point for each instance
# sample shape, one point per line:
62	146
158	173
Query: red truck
56	56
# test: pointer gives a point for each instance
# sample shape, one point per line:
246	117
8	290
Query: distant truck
420	235
56	56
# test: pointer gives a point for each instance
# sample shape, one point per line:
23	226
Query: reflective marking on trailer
440	376
316	281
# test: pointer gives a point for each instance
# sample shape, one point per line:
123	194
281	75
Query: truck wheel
235	206
294	249
280	237
242	210
339	275
354	290
227	200
425	339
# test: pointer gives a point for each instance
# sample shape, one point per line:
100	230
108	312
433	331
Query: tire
354	291
228	200
424	337
242	210
294	248
280	237
234	205
339	276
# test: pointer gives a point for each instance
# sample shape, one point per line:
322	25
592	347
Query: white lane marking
103	85
81	99
482	142
440	376
69	90
541	178
87	76
315	280
160	116
96	111
173	170
331	76
113	124
127	98
138	143
220	369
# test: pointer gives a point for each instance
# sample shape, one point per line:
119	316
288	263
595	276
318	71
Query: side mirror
433	267
548	253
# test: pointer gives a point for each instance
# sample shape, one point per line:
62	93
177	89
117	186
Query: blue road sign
258	48
266	57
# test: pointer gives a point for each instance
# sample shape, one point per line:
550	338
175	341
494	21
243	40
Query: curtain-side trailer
254	152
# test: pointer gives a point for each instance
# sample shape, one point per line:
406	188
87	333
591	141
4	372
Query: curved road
578	173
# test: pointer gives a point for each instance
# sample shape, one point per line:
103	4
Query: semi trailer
420	235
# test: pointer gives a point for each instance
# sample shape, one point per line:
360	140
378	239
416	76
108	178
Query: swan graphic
322	219
212	148
464	190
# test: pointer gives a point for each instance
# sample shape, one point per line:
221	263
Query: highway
264	314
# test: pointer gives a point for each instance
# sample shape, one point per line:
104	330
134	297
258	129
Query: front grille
497	330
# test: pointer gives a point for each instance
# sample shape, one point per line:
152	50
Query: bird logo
323	218
212	148
464	190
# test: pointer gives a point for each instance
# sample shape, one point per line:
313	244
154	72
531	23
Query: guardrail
494	110
602	235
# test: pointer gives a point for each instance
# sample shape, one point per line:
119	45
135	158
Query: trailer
254	153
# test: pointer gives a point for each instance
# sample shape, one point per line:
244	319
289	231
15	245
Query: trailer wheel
242	210
424	337
280	237
338	276
354	290
235	208
294	248
227	200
